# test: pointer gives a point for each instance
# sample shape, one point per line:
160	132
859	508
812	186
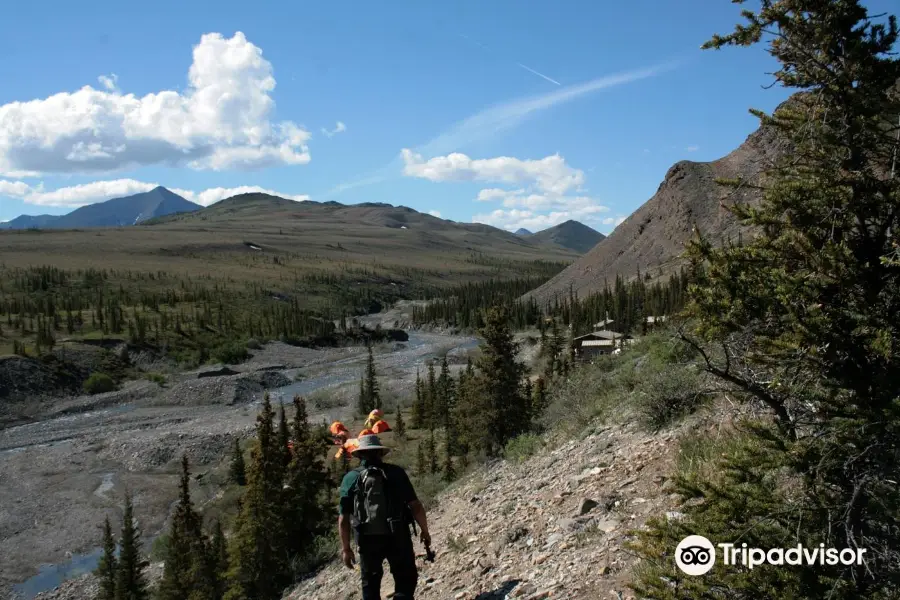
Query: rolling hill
570	234
30	222
117	212
281	243
653	238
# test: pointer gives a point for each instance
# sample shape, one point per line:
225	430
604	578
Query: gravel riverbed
61	474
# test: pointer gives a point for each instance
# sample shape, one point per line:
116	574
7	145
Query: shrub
521	447
157	378
254	344
665	396
98	383
231	354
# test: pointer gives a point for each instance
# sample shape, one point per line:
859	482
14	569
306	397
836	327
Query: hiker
378	502
376	423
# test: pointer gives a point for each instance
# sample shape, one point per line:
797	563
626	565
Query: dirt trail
61	475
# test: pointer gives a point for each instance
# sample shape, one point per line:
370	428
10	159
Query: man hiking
378	502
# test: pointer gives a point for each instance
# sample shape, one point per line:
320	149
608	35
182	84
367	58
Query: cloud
222	120
435	213
500	117
542	202
339	128
505	116
514	219
99	191
692	148
109	82
549	174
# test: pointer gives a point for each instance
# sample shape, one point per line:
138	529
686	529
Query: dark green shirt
398	482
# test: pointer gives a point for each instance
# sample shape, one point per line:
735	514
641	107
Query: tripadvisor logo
696	555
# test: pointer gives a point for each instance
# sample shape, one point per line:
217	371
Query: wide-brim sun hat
370	442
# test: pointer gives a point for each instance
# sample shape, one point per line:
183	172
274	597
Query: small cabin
598	343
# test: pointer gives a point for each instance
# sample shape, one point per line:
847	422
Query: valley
67	468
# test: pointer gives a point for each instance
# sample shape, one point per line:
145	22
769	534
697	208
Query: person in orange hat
374	416
381	427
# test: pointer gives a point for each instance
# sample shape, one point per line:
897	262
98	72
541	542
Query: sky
515	114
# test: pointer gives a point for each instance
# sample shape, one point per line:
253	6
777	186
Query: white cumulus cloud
435	213
548	174
338	128
99	191
222	120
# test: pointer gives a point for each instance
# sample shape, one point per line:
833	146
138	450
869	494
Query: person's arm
345	509
418	513
346	551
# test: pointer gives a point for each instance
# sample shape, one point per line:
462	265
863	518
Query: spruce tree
800	320
307	508
449	470
446	393
130	581
431	399
373	397
421	464
362	400
418	408
107	568
399	425
496	410
433	465
284	436
237	473
258	566
218	557
187	571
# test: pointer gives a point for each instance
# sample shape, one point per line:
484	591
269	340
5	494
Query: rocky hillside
552	526
653	238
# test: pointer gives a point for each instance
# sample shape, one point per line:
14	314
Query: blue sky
543	110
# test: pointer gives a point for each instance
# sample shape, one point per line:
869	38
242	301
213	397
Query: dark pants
399	553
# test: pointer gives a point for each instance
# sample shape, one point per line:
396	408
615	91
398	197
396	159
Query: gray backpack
371	503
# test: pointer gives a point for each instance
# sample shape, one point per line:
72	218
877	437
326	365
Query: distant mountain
522	231
571	234
30	222
117	212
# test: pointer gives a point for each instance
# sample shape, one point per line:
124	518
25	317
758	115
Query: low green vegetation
98	383
522	447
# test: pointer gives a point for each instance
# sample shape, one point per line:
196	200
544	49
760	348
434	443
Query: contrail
500	117
527	68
